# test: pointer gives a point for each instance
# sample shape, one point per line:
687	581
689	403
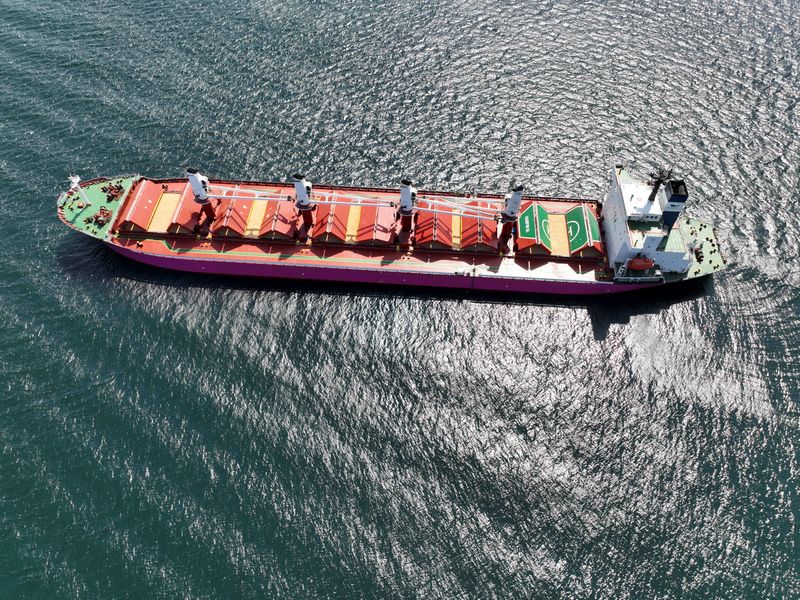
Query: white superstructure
640	224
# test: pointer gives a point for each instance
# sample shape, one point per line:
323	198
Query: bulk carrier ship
637	237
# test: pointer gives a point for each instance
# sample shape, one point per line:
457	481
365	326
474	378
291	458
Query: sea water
173	436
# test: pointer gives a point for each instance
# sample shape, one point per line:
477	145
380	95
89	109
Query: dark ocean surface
174	436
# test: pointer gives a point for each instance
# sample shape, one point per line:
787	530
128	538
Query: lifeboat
641	264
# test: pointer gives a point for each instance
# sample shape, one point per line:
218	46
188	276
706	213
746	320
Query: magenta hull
372	276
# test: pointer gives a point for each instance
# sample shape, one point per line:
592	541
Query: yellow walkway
353	219
255	218
162	215
456	235
558	235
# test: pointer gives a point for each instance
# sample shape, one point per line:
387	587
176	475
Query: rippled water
172	436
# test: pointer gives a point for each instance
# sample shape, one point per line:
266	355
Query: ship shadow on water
618	309
88	259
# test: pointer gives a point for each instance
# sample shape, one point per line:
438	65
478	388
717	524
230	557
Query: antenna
661	174
657	179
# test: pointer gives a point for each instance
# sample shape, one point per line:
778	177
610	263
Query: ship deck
356	236
558	239
156	221
334	257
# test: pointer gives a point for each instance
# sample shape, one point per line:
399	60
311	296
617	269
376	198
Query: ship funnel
513	203
198	182
676	196
302	190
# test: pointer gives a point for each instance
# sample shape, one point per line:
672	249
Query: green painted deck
77	215
705	235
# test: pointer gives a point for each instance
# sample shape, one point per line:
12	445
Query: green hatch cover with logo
527	223
544	226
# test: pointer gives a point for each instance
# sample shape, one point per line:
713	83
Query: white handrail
478	210
465	198
428	201
317	193
369	204
313	201
457	202
347	195
479	217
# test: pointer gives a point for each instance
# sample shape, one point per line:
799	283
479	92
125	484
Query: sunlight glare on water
166	435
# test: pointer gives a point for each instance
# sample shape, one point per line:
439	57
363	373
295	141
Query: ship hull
356	237
371	276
